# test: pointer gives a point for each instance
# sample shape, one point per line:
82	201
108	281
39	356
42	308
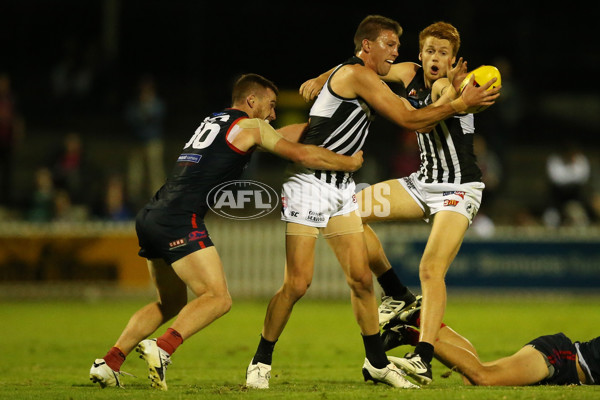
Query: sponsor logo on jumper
189	157
242	199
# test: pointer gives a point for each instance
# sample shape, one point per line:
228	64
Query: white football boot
157	360
258	375
390	307
390	375
104	375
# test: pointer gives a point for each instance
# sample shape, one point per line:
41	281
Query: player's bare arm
402	72
315	157
312	87
357	81
442	91
293	132
257	132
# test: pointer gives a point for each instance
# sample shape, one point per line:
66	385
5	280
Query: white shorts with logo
463	198
306	200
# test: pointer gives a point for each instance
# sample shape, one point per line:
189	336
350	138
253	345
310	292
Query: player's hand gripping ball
482	75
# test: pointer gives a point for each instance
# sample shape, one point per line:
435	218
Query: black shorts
562	355
170	235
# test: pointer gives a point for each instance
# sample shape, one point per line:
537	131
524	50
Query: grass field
47	348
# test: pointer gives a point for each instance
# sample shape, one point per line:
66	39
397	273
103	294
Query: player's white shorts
434	197
307	200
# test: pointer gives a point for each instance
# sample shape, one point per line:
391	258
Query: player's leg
526	367
300	247
344	235
444	241
172	297
439	253
202	272
350	252
299	269
387	201
384	201
449	339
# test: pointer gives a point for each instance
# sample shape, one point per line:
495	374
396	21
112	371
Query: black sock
264	352
374	351
392	286
425	350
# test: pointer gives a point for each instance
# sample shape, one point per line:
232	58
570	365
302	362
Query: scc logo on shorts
242	199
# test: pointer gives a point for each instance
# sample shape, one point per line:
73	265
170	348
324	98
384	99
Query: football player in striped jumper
174	239
447	188
318	200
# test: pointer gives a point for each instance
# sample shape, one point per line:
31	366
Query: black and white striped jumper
338	124
447	154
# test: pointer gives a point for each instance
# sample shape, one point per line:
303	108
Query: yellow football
482	75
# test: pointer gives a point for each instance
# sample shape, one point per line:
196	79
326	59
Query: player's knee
361	283
296	288
224	303
431	270
481	378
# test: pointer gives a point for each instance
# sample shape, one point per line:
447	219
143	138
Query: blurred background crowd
98	97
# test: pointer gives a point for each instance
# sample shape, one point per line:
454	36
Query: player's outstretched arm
401	73
366	84
293	132
315	157
256	132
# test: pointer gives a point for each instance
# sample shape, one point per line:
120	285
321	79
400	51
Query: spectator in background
67	167
74	77
41	207
64	209
12	129
146	116
115	205
568	171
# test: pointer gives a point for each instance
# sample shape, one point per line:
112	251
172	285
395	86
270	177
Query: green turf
46	350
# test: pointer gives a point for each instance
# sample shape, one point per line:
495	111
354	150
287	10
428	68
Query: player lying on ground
546	360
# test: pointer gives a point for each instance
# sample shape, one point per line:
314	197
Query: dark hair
371	27
249	83
441	30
